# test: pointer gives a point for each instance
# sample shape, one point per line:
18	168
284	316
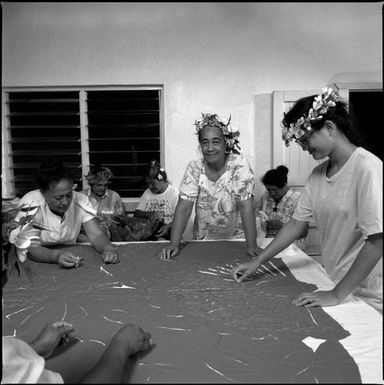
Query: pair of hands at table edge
308	299
68	260
171	251
128	341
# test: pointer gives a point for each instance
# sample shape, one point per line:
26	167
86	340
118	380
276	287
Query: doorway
367	106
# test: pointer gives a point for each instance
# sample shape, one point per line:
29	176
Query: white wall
225	58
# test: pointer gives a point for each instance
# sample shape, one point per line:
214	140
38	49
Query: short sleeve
87	212
370	198
303	210
143	201
119	208
189	186
244	180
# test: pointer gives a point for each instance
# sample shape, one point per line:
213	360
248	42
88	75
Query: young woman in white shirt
343	195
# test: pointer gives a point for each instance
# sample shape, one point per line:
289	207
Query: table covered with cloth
205	327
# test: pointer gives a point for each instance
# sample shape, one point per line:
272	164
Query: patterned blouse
267	209
217	213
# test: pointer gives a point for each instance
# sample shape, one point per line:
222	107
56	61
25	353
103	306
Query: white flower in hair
320	106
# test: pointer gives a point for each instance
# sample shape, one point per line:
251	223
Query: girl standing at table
343	195
160	198
63	210
220	185
276	206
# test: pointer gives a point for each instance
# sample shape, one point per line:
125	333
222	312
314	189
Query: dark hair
342	115
276	177
52	171
154	170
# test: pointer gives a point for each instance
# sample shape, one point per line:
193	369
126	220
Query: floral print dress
216	203
283	211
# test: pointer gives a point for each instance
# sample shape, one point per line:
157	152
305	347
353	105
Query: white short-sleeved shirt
217	214
62	230
347	208
22	365
164	203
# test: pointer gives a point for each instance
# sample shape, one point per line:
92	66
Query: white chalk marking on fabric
148	378
78	338
25	319
54	278
21	288
86	313
105	271
316	380
124	311
161	364
228	279
207	272
241	362
210	269
26	308
175	329
39	309
314	321
218	372
174	315
123	287
224	334
281	272
258	338
111	320
301	371
288	355
265	267
99	342
260	283
65	311
211	311
156	307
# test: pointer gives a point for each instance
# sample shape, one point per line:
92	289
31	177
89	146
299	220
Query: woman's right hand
169	252
242	271
68	260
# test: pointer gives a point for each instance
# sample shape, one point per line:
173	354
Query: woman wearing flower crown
220	184
108	204
63	211
159	199
343	195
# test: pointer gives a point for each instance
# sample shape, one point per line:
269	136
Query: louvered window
119	128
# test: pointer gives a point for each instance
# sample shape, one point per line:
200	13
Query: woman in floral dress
220	185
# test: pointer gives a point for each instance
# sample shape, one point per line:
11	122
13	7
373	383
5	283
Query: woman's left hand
110	255
317	298
254	251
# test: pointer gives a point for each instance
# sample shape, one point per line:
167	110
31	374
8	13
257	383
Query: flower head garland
22	233
99	174
231	134
320	106
160	171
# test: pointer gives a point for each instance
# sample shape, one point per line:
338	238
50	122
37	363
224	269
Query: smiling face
59	196
319	143
212	144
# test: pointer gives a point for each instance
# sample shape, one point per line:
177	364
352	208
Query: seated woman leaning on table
63	210
343	195
276	206
109	207
222	185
